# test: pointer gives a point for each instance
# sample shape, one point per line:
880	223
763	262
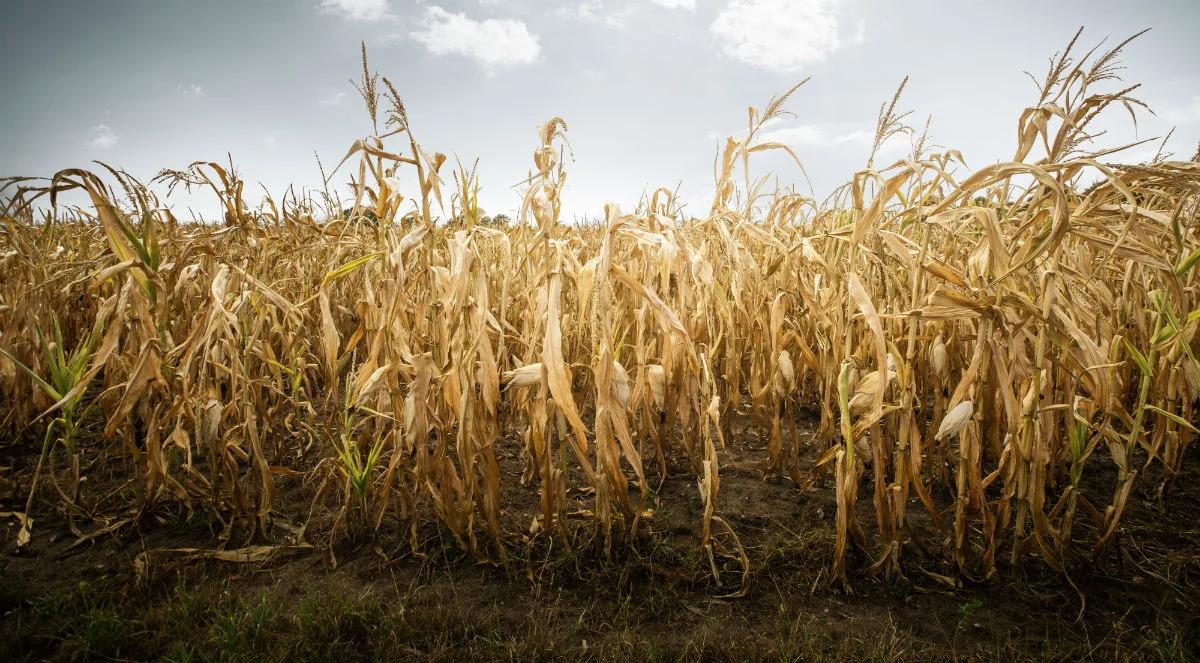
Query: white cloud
492	42
689	5
860	32
801	134
359	10
812	134
593	11
778	35
815	135
864	136
332	100
102	137
190	90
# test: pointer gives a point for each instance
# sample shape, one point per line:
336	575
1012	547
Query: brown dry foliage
390	353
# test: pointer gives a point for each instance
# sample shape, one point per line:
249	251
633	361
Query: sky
648	88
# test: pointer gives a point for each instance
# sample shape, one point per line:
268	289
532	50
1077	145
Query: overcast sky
647	87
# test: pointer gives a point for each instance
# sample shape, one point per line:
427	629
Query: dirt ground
132	594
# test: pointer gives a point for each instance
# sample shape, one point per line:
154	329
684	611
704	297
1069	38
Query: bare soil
128	594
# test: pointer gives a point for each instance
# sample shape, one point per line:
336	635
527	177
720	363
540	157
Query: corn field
970	346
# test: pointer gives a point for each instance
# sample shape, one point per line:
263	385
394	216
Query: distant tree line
368	217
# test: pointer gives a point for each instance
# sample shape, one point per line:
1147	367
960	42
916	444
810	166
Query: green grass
198	615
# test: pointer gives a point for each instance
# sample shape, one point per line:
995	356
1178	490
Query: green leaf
37	379
1188	263
1173	417
1165	332
1139	358
134	241
349	267
1176	227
